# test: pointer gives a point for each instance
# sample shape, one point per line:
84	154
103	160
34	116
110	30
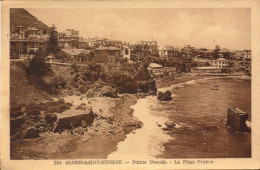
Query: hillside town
164	60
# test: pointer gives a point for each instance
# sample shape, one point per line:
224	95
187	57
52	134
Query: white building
220	63
155	70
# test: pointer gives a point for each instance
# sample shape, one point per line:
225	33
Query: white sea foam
146	142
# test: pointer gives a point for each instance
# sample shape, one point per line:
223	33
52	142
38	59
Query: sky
201	28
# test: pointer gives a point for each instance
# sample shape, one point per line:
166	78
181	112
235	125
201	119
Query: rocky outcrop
31	133
108	91
164	96
73	121
170	124
236	119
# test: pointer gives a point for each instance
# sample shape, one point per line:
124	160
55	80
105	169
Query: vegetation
37	66
52	43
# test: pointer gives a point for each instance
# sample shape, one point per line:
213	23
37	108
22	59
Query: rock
31	133
170	124
50	118
164	96
75	120
236	119
109	91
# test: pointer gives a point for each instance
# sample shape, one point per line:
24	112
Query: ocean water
200	117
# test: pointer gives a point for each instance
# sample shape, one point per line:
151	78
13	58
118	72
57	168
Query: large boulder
170	124
73	121
164	96
31	133
109	91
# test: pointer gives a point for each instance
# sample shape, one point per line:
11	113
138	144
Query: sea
199	114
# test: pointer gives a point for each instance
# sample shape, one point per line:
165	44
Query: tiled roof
74	52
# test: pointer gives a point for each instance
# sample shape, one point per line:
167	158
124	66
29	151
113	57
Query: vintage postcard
130	85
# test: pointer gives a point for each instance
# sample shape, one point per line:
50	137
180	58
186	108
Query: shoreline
98	142
146	140
161	83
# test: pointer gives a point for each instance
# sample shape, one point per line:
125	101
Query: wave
190	82
146	142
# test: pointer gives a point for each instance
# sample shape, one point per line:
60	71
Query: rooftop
155	65
75	51
108	48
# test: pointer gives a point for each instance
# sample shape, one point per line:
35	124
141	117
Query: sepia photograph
133	86
76	77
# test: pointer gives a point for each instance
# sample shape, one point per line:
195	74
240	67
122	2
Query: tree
52	43
37	66
216	51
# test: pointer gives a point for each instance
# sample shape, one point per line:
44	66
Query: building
187	49
201	61
155	70
25	41
107	55
247	55
170	71
73	55
125	52
83	43
69	39
109	42
147	48
167	52
220	63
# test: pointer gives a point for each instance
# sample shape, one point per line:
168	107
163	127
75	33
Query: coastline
99	141
161	83
146	142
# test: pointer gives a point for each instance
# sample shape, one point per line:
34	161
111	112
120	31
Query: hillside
21	17
21	92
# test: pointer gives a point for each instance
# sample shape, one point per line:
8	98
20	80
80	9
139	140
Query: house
247	55
107	55
145	48
237	55
220	63
170	71
125	52
155	70
83	43
73	55
166	52
187	49
201	61
68	39
25	41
